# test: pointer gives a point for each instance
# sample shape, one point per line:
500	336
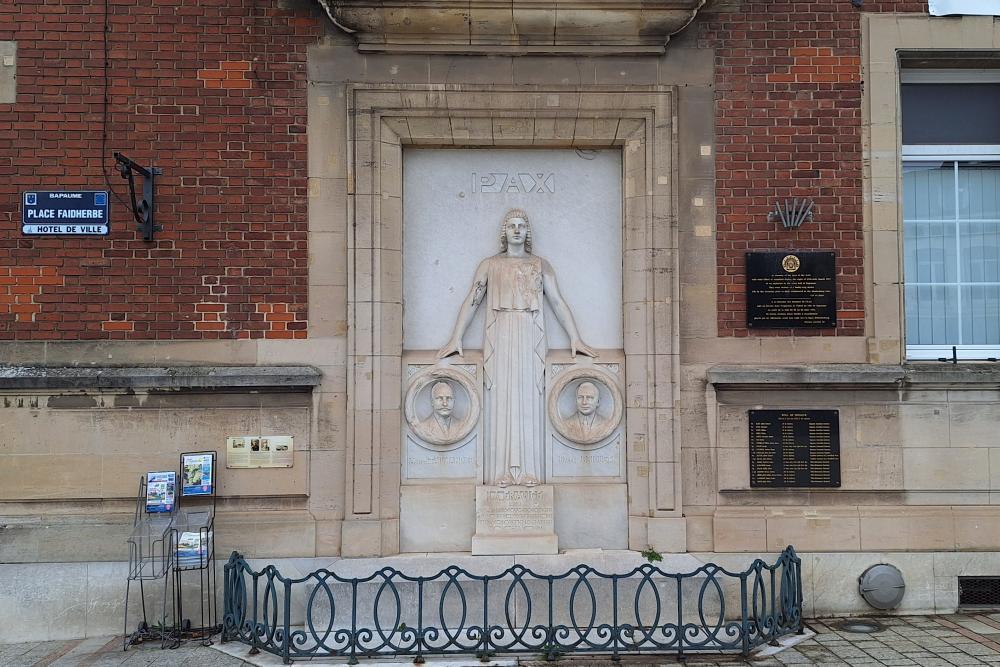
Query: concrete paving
960	640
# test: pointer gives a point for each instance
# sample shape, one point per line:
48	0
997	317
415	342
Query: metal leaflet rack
151	552
193	539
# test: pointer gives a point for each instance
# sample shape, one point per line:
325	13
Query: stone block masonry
213	93
788	87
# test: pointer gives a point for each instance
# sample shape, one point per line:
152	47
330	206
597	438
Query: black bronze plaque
791	290
794	448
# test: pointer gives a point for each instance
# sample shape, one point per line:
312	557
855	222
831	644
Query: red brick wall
213	92
788	124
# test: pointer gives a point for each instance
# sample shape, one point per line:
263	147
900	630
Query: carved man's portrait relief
585	422
442	406
441	424
585	407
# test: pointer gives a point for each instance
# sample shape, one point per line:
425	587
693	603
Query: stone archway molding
383	119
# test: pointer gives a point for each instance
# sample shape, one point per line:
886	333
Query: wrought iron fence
517	611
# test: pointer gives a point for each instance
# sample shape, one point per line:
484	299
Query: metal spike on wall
792	212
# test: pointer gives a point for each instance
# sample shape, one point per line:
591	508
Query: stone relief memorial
544	401
513	284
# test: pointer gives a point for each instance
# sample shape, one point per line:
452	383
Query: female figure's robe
514	365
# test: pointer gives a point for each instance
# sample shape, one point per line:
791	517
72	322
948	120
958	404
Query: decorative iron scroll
455	612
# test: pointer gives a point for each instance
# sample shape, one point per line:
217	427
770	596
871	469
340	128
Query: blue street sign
79	213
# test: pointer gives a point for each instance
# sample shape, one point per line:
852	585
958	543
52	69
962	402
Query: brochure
198	474
161	487
191	549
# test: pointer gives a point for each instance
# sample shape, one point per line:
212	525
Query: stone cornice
302	378
844	376
513	27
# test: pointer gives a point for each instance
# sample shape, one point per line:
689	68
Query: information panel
791	290
259	451
794	448
78	213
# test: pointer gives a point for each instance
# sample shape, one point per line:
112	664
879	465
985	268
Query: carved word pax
520	182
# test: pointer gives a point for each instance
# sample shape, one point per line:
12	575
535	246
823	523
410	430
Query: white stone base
514	545
515	520
265	659
442	518
783	643
42	601
436	517
592	516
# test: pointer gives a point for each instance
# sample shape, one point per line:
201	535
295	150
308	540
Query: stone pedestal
515	520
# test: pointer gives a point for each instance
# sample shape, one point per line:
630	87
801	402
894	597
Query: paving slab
954	640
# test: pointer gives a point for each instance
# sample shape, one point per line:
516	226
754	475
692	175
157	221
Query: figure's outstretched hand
450	348
579	347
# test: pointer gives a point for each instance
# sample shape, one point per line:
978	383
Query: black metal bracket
954	356
141	210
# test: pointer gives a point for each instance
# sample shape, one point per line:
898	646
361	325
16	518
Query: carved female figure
513	283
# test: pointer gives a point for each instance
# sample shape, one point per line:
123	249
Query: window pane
979	190
951	113
981	315
952	255
930	252
980	252
931	315
929	190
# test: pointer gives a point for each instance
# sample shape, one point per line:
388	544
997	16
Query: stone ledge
856	375
61	538
537	27
301	378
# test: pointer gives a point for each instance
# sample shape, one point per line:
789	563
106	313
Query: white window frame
947	153
963	7
957	154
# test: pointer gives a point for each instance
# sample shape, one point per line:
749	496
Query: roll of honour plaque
794	448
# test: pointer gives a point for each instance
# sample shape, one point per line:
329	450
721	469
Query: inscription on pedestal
515	520
794	448
791	290
518	510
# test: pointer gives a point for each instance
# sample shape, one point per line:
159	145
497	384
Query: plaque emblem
791	263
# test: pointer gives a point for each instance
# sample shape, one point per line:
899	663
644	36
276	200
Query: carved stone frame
885	37
383	119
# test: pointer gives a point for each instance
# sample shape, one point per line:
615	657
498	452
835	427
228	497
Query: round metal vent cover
860	626
882	586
